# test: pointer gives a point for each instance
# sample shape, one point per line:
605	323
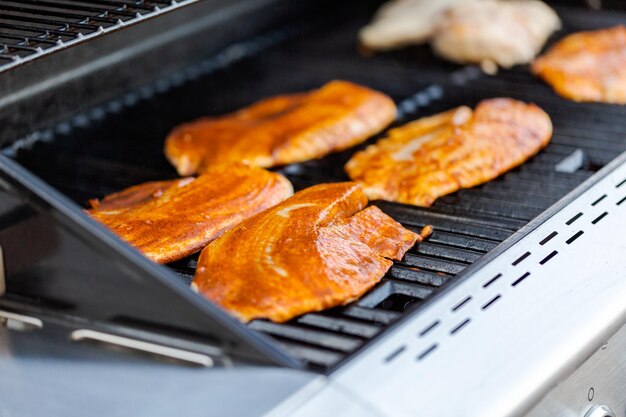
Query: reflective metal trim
19	321
179	354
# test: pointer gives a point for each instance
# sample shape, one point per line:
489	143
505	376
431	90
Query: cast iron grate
120	144
32	28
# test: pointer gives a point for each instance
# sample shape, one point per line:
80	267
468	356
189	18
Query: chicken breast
490	32
282	130
587	66
320	248
433	156
400	23
169	220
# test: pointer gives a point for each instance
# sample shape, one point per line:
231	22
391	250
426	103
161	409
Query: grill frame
64	19
422	99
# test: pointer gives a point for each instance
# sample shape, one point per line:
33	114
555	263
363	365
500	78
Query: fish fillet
499	32
400	23
169	220
488	32
320	248
433	156
137	194
283	129
587	66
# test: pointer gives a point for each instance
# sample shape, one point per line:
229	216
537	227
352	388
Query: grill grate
120	144
33	28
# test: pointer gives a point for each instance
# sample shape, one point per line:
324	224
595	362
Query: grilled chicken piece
400	23
491	32
587	66
169	220
320	248
283	129
433	156
488	32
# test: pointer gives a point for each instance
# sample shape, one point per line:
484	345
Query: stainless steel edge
153	348
499	358
596	389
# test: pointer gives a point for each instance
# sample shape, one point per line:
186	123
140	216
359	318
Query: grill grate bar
26	39
45	22
43	32
51	22
417	276
141	5
65	15
82	7
329	340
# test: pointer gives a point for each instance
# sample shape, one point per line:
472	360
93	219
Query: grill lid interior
59	260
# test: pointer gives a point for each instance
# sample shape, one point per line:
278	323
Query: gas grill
512	306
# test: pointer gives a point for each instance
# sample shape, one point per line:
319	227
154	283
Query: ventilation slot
548	238
462	303
595	203
547	258
491	302
573	219
491	281
460	326
429	328
573	238
395	354
520	259
600	217
520	279
426	352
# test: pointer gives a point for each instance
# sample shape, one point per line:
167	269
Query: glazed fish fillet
320	248
491	32
168	220
587	66
433	156
283	129
137	194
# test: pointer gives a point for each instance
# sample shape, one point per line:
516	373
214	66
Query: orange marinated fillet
320	248
136	194
283	129
433	156
587	66
168	220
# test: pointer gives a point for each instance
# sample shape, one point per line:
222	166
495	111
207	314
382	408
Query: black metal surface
120	144
30	27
